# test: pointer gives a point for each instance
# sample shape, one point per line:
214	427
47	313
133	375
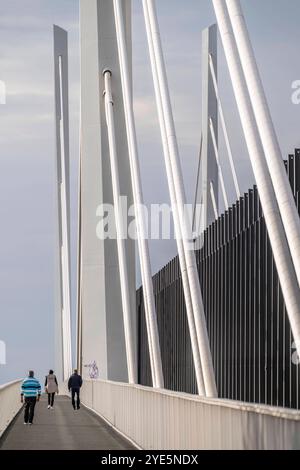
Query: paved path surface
62	429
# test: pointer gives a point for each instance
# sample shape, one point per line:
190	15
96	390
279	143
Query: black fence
250	336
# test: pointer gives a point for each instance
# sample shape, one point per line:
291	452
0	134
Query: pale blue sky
27	143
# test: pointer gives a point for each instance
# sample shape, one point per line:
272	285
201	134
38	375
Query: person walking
74	385
51	387
31	392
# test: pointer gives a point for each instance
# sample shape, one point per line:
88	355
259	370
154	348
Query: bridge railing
10	403
161	419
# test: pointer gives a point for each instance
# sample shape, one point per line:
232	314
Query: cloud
27	175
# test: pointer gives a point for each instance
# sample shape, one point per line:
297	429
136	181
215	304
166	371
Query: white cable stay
224	127
169	134
197	183
213	200
213	136
266	129
146	274
274	222
120	230
177	228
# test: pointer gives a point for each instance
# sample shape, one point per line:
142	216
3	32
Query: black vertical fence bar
240	303
293	373
279	345
248	262
275	348
281	314
261	320
257	213
287	339
229	316
235	320
248	327
251	338
223	321
256	313
269	322
210	288
242	307
296	357
297	170
217	308
237	300
213	306
232	325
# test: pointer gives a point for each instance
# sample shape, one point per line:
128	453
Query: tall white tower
100	321
63	351
209	166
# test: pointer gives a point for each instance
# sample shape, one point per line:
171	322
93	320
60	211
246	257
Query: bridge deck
62	429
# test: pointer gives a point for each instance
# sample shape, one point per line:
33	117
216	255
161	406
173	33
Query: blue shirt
30	387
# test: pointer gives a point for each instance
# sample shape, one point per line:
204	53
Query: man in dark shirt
74	385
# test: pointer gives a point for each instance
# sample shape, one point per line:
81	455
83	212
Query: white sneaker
49	407
25	423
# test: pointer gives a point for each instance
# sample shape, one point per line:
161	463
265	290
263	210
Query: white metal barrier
160	419
10	403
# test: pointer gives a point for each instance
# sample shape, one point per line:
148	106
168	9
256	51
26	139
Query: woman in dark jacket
51	387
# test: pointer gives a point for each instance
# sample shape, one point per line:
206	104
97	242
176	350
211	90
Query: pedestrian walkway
62	429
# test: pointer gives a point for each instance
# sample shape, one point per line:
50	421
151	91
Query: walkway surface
62	429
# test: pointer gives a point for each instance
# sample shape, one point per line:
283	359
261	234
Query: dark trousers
29	409
51	399
77	392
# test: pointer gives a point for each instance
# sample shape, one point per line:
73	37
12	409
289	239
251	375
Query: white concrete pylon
63	349
150	310
66	298
181	255
121	230
169	134
282	187
280	248
209	166
101	336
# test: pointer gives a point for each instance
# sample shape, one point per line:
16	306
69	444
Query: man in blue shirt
31	391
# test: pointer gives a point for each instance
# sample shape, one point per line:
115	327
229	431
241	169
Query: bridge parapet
10	403
161	419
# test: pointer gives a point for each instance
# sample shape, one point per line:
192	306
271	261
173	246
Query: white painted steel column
66	310
197	184
213	136
120	229
281	252
177	228
153	338
196	296
282	187
213	199
224	127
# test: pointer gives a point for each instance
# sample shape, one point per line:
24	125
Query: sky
27	152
